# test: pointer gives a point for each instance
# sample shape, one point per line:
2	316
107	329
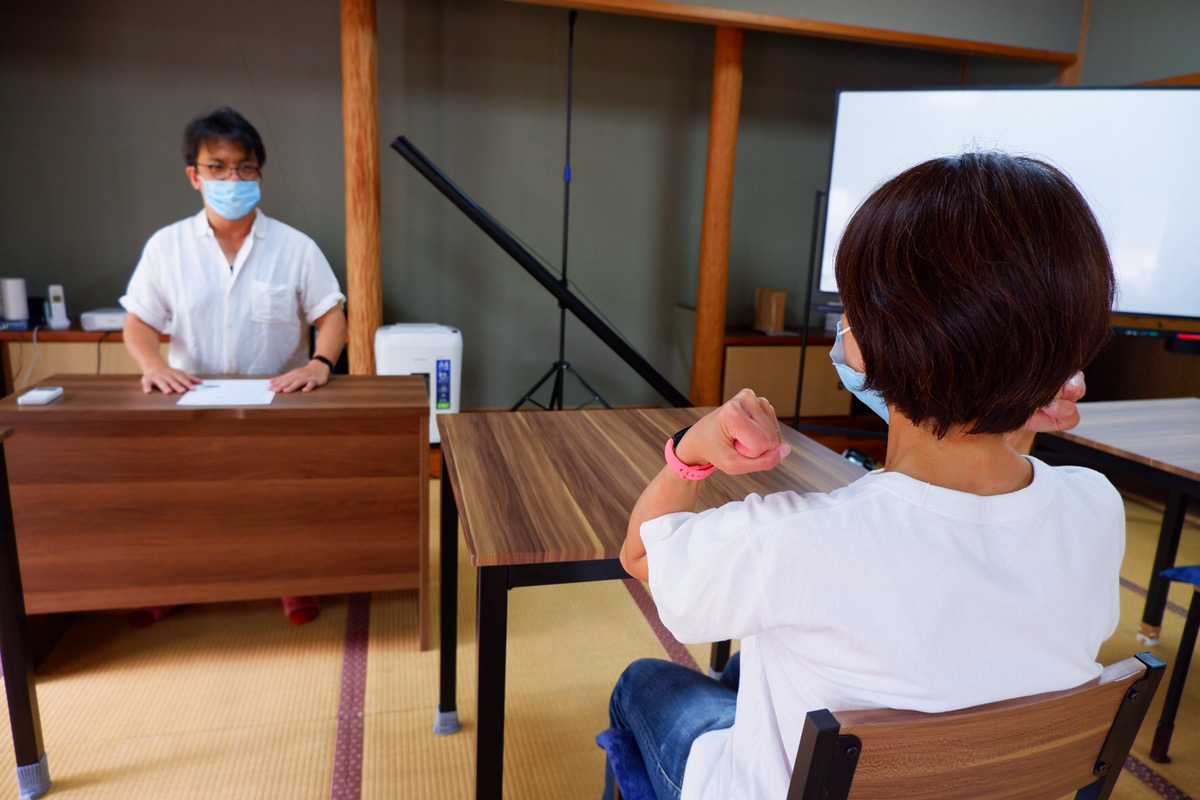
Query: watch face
678	437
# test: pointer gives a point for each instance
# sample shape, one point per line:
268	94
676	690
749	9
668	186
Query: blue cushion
1185	574
627	764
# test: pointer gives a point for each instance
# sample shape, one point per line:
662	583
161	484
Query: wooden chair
1042	747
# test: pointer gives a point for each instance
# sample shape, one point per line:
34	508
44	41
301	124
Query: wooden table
544	497
1153	440
123	499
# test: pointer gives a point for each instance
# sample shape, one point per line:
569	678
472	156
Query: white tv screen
1134	153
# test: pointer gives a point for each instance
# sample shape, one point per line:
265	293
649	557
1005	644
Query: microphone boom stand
561	367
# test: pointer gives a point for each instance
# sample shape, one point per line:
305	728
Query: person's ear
194	178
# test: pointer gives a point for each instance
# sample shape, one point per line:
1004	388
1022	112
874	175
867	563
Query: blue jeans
667	706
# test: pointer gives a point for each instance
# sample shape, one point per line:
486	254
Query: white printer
103	319
433	351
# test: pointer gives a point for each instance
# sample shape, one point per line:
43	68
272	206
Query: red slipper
300	610
141	617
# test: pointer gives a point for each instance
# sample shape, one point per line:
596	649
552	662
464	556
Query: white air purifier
432	351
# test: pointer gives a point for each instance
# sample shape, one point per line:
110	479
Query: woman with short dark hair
974	288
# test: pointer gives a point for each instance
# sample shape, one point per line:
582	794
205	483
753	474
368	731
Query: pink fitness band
686	471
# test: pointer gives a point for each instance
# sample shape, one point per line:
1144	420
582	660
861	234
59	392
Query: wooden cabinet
770	365
29	359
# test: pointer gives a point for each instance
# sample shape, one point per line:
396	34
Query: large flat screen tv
1133	152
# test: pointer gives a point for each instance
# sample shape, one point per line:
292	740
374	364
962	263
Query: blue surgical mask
854	380
232	199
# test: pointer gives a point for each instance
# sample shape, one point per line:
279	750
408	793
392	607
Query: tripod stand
561	368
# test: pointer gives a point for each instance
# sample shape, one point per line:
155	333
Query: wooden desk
123	499
1153	440
544	498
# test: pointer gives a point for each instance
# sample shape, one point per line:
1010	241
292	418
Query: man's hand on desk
310	376
167	380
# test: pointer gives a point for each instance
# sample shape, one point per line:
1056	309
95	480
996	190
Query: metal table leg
16	656
1164	558
447	712
1179	674
493	656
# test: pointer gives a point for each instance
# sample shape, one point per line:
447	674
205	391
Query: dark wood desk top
95	397
552	486
1161	433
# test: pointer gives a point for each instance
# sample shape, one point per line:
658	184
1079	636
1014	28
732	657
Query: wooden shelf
737	335
770	365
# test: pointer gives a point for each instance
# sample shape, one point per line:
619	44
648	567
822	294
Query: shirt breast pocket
273	303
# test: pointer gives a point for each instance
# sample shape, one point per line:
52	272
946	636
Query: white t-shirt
888	593
252	319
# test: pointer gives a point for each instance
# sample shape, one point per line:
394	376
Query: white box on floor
433	351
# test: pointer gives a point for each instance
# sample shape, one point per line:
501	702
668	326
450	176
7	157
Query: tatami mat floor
229	701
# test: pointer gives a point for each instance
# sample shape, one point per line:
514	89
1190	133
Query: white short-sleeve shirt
889	593
251	317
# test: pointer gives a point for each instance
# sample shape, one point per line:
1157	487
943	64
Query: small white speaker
13	300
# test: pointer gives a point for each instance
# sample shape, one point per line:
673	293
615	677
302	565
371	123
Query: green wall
1135	42
96	92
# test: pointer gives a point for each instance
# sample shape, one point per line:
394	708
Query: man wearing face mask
236	291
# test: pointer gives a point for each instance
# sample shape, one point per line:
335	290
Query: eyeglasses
221	172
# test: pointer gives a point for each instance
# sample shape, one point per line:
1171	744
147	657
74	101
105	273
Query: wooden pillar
364	230
709	352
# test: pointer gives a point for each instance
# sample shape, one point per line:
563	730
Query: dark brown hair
224	124
975	285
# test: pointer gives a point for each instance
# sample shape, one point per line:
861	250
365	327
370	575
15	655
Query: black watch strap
678	437
324	361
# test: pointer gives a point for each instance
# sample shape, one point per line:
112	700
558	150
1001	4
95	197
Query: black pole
562	311
543	276
812	269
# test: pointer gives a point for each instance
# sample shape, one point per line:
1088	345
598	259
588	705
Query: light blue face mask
854	380
232	199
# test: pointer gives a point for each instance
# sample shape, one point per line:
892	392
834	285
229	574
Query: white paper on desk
229	392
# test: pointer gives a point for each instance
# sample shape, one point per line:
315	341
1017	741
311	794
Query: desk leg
1164	558
33	772
493	656
1179	675
718	658
447	711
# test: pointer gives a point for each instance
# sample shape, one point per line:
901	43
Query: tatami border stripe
678	653
348	752
1147	775
1174	608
